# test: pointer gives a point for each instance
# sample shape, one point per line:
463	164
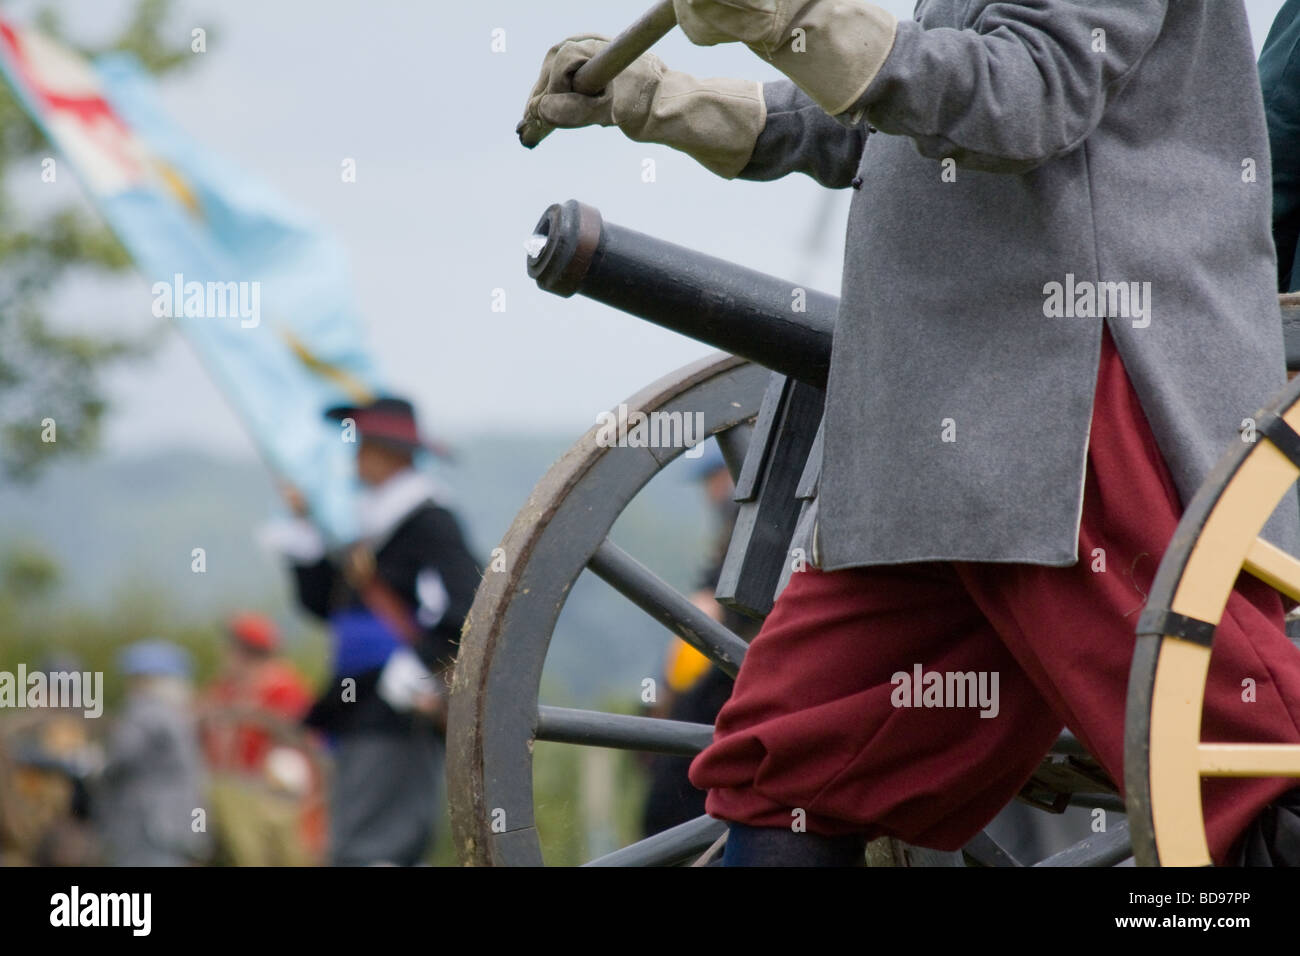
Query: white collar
381	508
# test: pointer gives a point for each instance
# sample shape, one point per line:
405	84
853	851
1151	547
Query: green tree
46	373
28	572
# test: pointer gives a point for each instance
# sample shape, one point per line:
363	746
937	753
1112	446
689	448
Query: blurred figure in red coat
266	782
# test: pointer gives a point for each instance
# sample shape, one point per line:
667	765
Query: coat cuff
716	122
295	538
837	49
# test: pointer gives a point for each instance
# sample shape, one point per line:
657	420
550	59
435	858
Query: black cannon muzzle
778	324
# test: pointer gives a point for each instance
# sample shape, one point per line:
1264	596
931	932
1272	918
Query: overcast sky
443	200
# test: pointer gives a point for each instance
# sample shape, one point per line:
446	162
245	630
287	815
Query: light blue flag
260	292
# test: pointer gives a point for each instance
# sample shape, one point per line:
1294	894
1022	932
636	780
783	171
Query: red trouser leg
811	725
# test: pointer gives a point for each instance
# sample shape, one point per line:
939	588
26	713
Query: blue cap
154	657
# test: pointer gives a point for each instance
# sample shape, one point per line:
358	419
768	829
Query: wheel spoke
661	601
1250	760
986	851
1274	567
714	851
734	444
1100	849
592	728
670	846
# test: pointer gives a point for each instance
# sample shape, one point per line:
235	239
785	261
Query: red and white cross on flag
65	93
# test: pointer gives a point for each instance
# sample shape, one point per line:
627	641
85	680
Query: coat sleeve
799	137
1026	82
430	566
315	585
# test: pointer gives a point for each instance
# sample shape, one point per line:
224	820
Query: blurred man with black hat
395	602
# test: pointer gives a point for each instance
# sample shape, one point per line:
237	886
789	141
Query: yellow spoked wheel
1218	537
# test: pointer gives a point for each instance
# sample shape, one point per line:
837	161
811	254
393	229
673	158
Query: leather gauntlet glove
832	49
716	121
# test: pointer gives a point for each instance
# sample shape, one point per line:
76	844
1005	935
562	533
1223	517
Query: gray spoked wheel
560	532
495	714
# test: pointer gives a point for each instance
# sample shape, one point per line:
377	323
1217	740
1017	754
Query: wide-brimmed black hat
390	421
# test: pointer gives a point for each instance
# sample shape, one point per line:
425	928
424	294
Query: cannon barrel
719	303
738	310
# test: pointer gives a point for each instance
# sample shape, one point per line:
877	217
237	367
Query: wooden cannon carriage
763	404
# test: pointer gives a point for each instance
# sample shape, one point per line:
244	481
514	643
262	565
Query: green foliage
40	618
143	38
44	373
28	572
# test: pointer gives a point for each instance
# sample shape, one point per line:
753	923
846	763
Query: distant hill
124	524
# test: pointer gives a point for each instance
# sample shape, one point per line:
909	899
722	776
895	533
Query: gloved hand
761	24
406	684
715	121
840	48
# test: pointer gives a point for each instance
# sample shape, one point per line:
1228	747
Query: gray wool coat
1007	146
153	781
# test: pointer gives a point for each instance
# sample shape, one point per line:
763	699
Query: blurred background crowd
208	753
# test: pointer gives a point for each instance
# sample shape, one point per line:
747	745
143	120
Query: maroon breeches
815	723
